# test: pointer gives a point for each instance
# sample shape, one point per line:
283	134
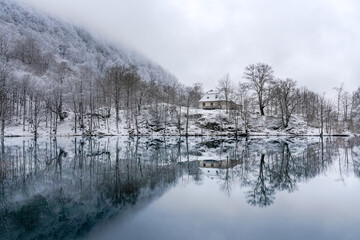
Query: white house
215	100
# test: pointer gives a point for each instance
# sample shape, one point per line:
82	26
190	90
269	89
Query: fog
314	42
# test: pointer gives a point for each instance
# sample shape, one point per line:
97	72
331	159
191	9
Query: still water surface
177	188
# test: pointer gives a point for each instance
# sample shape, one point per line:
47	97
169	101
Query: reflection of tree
67	188
356	166
2	161
283	166
282	172
283	177
261	194
73	189
355	157
226	177
189	171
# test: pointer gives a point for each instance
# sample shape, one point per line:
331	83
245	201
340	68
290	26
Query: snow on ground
201	123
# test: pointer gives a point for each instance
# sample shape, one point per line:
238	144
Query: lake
178	188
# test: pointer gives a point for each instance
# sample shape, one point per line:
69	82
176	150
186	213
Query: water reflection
62	188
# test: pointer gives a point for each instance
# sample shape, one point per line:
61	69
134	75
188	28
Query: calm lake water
177	188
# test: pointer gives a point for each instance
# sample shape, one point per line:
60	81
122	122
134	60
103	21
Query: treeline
50	89
266	94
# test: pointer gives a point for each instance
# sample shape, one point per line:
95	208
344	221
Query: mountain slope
60	41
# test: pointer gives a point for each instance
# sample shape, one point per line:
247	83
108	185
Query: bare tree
122	80
3	96
244	101
260	76
330	116
37	113
225	86
195	94
322	114
114	76
355	112
287	97
339	91
346	101
131	82
63	71
24	89
182	96
4	48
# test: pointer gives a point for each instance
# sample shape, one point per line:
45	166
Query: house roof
212	96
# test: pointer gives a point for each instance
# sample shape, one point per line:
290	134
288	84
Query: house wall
215	105
223	105
209	105
226	163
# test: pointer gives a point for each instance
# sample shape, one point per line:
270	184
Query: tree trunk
262	110
24	110
35	123
179	120
2	125
117	115
187	118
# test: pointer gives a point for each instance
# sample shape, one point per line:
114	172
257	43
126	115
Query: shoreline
189	135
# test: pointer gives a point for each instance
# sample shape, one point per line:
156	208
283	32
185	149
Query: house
215	100
221	164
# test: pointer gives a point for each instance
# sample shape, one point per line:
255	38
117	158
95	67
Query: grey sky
315	42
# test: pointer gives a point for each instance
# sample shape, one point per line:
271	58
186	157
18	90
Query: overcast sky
315	42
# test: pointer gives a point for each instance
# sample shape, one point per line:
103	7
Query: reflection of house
227	163
215	100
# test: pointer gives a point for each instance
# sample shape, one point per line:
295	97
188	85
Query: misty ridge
56	79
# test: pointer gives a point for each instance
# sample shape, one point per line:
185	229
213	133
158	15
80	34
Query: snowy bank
172	121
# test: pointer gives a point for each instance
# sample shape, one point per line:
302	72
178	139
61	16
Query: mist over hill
37	42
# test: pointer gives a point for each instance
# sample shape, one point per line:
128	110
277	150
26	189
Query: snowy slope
67	42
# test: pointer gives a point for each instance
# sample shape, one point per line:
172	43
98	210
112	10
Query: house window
207	97
212	104
204	165
204	104
212	165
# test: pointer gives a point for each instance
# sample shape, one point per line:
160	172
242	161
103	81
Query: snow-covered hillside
62	41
